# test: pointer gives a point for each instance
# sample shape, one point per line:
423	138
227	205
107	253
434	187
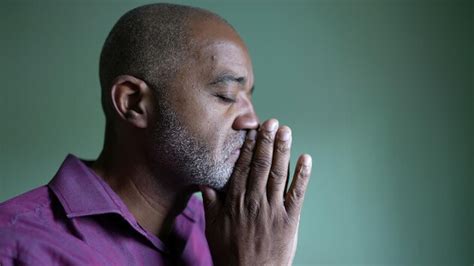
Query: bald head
150	42
177	93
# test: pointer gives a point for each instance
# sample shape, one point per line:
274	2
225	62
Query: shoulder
25	206
19	219
39	245
34	230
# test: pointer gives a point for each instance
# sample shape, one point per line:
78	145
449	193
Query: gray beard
189	158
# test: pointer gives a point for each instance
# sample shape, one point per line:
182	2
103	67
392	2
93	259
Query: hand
256	221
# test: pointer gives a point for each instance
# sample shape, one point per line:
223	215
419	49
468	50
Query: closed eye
225	98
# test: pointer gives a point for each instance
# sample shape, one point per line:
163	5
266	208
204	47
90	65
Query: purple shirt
78	220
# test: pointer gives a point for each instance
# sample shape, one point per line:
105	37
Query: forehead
218	48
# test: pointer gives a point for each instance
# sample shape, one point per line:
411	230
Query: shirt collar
82	192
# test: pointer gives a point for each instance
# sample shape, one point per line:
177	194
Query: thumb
211	201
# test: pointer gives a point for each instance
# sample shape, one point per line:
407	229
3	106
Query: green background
379	92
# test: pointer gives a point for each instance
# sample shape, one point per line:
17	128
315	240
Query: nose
247	120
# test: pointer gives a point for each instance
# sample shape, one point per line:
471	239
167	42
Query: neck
152	200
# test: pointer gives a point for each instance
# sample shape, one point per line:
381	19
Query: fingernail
271	125
251	135
307	160
284	134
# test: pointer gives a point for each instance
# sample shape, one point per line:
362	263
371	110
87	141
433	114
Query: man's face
202	125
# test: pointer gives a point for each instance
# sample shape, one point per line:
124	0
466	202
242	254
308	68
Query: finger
211	204
279	169
262	160
295	196
238	180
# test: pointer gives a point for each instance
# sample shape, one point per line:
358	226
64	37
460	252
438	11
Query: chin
216	176
221	183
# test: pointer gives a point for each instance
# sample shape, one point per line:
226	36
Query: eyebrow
225	78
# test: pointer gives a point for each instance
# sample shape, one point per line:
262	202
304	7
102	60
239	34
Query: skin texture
250	219
203	109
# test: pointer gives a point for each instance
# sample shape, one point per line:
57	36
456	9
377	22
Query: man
177	87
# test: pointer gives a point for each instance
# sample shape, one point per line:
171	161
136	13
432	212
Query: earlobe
129	96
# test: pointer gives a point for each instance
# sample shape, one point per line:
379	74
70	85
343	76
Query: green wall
379	92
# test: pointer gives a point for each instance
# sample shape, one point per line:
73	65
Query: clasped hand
256	221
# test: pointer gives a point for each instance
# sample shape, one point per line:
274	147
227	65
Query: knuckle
241	170
247	147
261	163
233	212
277	175
282	147
303	176
253	207
298	193
266	138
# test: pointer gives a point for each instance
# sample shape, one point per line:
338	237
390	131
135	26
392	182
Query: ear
131	99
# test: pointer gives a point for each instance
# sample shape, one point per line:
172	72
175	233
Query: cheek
211	128
199	118
213	134
208	120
